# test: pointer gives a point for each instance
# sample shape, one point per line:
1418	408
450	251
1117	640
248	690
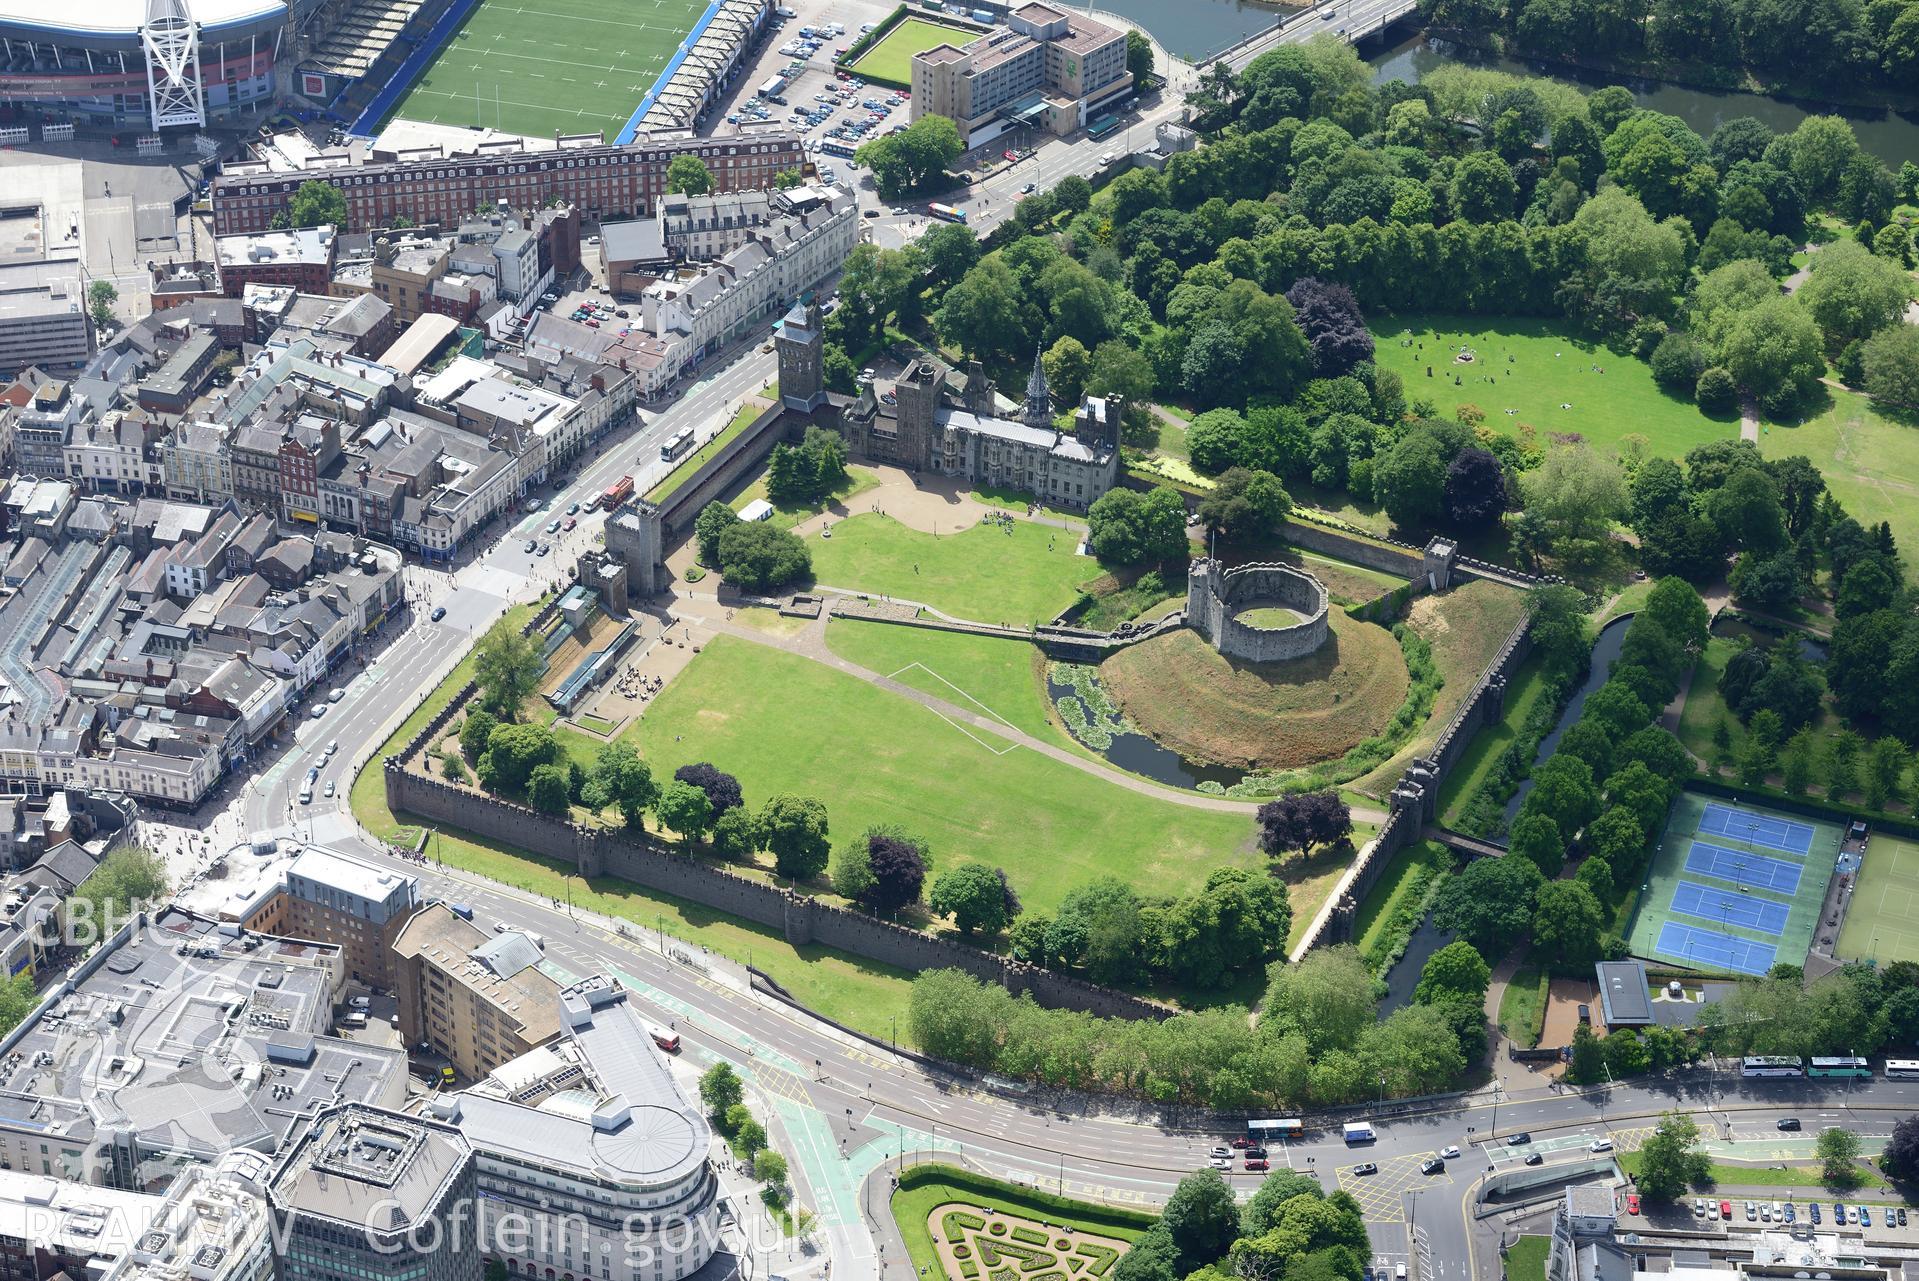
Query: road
1351	21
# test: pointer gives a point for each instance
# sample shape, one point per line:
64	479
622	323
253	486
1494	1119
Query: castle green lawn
1550	366
1017	574
1527	688
1870	461
997	678
782	723
786	515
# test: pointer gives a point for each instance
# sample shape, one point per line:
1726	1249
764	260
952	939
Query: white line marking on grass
957	690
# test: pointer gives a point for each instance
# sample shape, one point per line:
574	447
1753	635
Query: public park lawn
786	515
892	58
1522	1007
1016	574
1738	1174
570	66
782	723
1526	1258
1004	679
1549	367
1527	688
912	1205
1870	461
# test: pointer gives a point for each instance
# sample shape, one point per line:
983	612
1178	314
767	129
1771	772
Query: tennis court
540	67
1708	904
1704	859
1757	829
1711	950
1734	888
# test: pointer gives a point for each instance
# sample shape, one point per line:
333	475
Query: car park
1812	1211
1752	1211
1699	1207
1865	1216
1725	1209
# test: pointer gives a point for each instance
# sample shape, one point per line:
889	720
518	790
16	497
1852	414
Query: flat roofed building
480	999
370	1193
1053	68
354	907
593	1150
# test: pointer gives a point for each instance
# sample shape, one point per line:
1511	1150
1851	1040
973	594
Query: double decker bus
1902	1069
1847	1065
1772	1065
950	213
668	1041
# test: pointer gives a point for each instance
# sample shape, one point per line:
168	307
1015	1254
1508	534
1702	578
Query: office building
479	999
355	907
1051	68
370	1193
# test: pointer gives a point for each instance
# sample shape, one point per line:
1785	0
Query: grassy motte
782	723
1535	367
1215	710
1017	574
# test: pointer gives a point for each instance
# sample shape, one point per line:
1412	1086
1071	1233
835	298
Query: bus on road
1102	126
1850	1065
1284	1130
668	1041
1902	1069
950	213
1772	1065
677	444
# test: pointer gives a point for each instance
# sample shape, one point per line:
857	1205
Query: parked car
1812	1211
1865	1216
1901	1213
1725	1209
1632	1203
1752	1211
1699	1207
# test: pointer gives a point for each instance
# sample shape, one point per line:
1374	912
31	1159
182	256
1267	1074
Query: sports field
1882	921
892	58
1536	374
1735	887
537	67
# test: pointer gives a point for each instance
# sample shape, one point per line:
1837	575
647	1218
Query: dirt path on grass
811	643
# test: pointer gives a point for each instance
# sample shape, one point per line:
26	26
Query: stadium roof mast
171	39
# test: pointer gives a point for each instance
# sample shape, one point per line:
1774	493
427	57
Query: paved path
811	643
1748	419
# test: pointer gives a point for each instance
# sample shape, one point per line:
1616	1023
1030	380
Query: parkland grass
567	66
1522	1006
1870	461
1019	573
782	723
1000	679
1533	368
788	514
892	58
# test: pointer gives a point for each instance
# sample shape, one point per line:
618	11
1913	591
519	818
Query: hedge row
1016	1197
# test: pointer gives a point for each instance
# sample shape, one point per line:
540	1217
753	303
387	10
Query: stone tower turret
802	349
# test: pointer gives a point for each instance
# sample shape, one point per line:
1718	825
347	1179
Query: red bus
617	493
668	1041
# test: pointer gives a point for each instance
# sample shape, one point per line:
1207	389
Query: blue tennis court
1711	948
1707	859
1689	898
1756	829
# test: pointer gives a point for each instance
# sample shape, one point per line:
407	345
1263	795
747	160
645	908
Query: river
1196	28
